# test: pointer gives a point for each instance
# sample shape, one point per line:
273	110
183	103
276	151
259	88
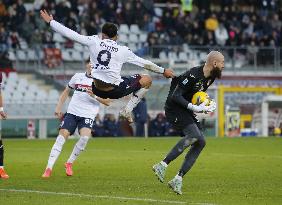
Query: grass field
118	171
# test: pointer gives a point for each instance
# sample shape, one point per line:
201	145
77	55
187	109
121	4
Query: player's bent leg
192	155
55	151
145	82
160	168
176	183
192	132
3	174
85	134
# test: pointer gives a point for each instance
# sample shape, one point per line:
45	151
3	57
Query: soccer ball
199	97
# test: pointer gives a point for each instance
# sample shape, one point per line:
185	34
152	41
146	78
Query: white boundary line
103	196
96	196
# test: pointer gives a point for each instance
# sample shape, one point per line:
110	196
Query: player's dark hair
110	30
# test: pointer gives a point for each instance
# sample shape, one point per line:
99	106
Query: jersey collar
88	76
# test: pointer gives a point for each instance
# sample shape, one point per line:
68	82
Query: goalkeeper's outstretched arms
66	32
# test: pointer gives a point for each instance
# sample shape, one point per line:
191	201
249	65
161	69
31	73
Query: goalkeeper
180	113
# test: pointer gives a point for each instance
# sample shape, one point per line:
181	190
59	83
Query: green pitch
118	171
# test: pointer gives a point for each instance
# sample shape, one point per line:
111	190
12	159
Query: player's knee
201	142
145	81
189	141
65	133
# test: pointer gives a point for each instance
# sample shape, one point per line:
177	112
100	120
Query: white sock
178	177
164	164
78	148
135	99
55	151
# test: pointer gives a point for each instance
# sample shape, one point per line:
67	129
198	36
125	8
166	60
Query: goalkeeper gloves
198	108
203	107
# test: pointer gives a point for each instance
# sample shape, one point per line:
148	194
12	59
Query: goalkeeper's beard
216	73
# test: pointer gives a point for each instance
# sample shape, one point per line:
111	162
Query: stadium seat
172	56
11	55
203	56
33	88
21	54
23	44
31	55
7	96
183	56
76	55
143	37
123	38
132	46
41	55
41	96
58	45
134	28
124	29
158	11
13	76
85	55
133	38
22	84
53	96
29	97
17	97
163	55
66	55
58	38
78	47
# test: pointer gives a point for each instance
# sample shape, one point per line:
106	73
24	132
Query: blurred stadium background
38	63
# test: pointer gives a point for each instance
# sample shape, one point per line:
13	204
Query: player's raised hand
168	73
3	115
45	16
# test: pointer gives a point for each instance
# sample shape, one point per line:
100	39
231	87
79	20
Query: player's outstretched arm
106	101
61	101
64	31
148	65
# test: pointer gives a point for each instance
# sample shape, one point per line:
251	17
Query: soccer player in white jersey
107	58
3	116
81	112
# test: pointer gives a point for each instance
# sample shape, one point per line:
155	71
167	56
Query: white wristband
1	109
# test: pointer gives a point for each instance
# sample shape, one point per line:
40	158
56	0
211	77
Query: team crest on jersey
82	88
185	81
209	82
199	86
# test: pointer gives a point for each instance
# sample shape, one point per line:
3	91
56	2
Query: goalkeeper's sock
78	148
135	99
55	151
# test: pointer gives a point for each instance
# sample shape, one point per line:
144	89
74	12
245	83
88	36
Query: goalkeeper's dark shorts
180	118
